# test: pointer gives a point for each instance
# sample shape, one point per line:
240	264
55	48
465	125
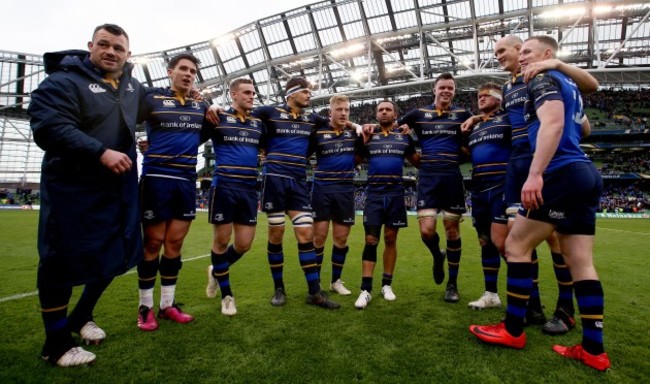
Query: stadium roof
367	49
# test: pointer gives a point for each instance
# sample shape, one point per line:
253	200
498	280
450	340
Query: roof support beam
620	46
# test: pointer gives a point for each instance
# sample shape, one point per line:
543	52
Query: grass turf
416	339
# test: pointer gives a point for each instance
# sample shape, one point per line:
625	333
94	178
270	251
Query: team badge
196	105
452	116
129	88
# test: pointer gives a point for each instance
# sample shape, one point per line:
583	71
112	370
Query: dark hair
183	56
113	29
443	76
235	83
297	81
395	108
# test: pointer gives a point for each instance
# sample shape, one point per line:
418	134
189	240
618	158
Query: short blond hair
339	99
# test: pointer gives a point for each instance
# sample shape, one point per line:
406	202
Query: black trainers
279	298
451	294
534	315
320	299
439	267
561	323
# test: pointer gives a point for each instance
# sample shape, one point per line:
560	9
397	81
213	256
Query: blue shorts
282	194
516	175
228	205
488	207
166	199
441	191
335	206
571	198
385	210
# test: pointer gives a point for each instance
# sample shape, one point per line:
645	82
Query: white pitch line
130	272
622	230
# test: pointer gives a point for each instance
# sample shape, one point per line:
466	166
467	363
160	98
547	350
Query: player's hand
533	69
467	125
116	162
212	114
405	129
368	130
143	144
531	192
195	93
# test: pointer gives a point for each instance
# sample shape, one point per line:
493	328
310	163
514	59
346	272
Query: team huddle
530	182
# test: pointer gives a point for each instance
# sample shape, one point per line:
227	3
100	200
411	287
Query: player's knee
370	253
303	220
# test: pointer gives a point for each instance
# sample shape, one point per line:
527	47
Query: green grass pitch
416	339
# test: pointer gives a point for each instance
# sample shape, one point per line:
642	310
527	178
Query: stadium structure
376	49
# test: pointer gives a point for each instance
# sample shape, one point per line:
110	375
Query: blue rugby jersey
490	146
515	94
554	85
236	142
386	152
288	137
335	159
174	125
439	135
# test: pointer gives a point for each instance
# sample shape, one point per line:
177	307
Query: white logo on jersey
129	88
284	116
399	138
347	134
558	215
185	118
327	136
230	119
243	133
148	215
428	115
498	119
268	206
305	118
218	217
96	88
253	123
452	116
196	105
169	104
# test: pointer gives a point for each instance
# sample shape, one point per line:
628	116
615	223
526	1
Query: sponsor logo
284	116
129	88
231	119
558	215
243	133
148	215
439	126
96	88
498	119
185	118
509	86
327	136
169	104
295	126
598	324
428	115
